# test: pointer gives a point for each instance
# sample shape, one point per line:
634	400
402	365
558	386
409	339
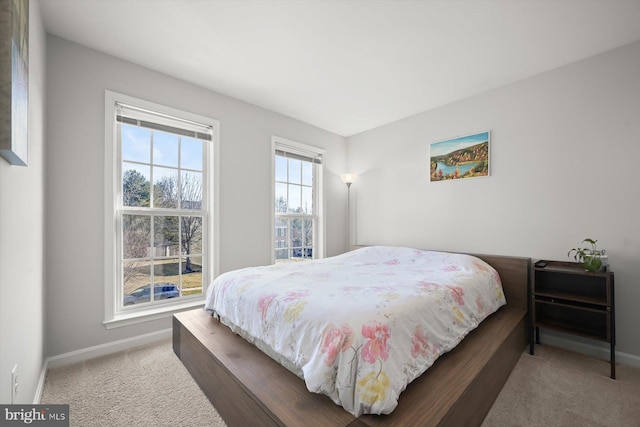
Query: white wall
77	78
564	166
22	240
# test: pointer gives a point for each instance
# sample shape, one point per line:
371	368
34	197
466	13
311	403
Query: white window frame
284	144
114	315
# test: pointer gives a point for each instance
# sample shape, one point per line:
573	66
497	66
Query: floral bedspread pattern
361	326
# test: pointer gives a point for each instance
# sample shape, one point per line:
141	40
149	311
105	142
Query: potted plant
592	258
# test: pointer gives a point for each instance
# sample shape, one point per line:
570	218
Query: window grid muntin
302	186
153	211
152	249
288	217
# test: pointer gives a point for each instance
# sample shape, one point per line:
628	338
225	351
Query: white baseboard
590	350
108	348
96	351
40	387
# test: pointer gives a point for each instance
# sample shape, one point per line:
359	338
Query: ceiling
347	66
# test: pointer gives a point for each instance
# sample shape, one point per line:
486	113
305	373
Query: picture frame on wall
14	80
460	157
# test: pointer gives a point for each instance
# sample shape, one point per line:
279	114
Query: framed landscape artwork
14	80
460	157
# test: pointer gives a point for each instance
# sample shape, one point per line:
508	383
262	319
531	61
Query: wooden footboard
246	386
249	388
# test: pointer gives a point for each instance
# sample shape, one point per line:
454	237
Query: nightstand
567	298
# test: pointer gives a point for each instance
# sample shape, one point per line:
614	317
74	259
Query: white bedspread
362	325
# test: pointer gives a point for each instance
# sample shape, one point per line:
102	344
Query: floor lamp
348	178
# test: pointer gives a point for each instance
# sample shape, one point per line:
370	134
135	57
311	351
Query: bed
249	387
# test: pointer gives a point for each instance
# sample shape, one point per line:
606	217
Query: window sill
152	313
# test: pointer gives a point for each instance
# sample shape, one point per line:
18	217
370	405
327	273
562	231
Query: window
298	225
160	220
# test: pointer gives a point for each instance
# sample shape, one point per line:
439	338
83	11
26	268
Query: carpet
559	388
145	386
149	386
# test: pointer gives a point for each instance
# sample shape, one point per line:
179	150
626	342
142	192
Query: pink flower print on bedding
377	345
263	304
334	341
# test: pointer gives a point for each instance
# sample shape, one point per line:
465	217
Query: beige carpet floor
149	386
145	386
565	389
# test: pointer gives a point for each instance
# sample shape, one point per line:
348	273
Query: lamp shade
348	178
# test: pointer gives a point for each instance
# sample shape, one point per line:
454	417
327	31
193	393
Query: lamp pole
348	216
348	179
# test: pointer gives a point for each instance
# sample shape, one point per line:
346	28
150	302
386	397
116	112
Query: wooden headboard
514	273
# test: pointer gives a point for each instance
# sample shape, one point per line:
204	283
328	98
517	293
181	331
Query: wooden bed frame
248	388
